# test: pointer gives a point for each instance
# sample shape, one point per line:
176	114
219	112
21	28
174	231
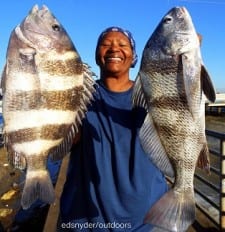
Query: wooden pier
53	213
217	107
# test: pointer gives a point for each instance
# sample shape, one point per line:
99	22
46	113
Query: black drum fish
170	84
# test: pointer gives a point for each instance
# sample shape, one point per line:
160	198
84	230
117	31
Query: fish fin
89	83
152	145
27	57
17	160
207	85
60	151
38	185
3	78
174	212
203	159
27	53
87	96
138	97
192	82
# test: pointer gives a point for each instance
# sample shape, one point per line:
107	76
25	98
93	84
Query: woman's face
114	53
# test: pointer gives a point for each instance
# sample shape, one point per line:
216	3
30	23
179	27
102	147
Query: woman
111	184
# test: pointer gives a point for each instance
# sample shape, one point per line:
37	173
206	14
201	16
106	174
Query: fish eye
167	19
56	27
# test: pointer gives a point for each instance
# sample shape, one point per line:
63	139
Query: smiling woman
115	54
111	184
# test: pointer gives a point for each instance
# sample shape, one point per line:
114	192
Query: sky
84	20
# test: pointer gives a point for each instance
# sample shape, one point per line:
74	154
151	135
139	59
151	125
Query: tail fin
38	185
173	212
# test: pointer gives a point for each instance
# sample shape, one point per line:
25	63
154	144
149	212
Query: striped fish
170	85
46	89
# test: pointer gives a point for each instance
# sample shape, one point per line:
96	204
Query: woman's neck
116	84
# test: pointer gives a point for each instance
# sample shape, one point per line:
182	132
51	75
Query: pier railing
210	189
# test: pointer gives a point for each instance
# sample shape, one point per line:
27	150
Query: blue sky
84	20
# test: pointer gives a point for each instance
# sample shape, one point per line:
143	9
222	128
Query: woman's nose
113	47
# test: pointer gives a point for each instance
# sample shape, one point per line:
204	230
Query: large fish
170	85
46	89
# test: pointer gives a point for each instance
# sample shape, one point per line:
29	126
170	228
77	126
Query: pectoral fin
27	59
207	85
192	82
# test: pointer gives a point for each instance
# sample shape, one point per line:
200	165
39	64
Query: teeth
114	58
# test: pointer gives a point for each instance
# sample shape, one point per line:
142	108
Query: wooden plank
53	213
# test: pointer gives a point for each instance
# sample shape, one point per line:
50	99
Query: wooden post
53	212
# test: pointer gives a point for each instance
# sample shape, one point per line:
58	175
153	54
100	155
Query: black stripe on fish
31	100
37	161
65	68
166	130
50	132
57	153
170	102
164	67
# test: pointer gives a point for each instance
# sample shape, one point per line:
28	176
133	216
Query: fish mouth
35	10
181	12
35	20
35	16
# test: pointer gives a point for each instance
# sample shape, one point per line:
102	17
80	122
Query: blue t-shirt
111	184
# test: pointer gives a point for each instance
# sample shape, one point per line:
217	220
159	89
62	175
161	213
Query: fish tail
38	185
173	212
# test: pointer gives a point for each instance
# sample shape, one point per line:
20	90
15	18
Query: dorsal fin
138	97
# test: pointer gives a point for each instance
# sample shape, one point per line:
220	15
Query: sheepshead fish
170	85
46	89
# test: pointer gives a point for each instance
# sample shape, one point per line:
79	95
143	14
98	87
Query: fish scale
170	86
46	90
